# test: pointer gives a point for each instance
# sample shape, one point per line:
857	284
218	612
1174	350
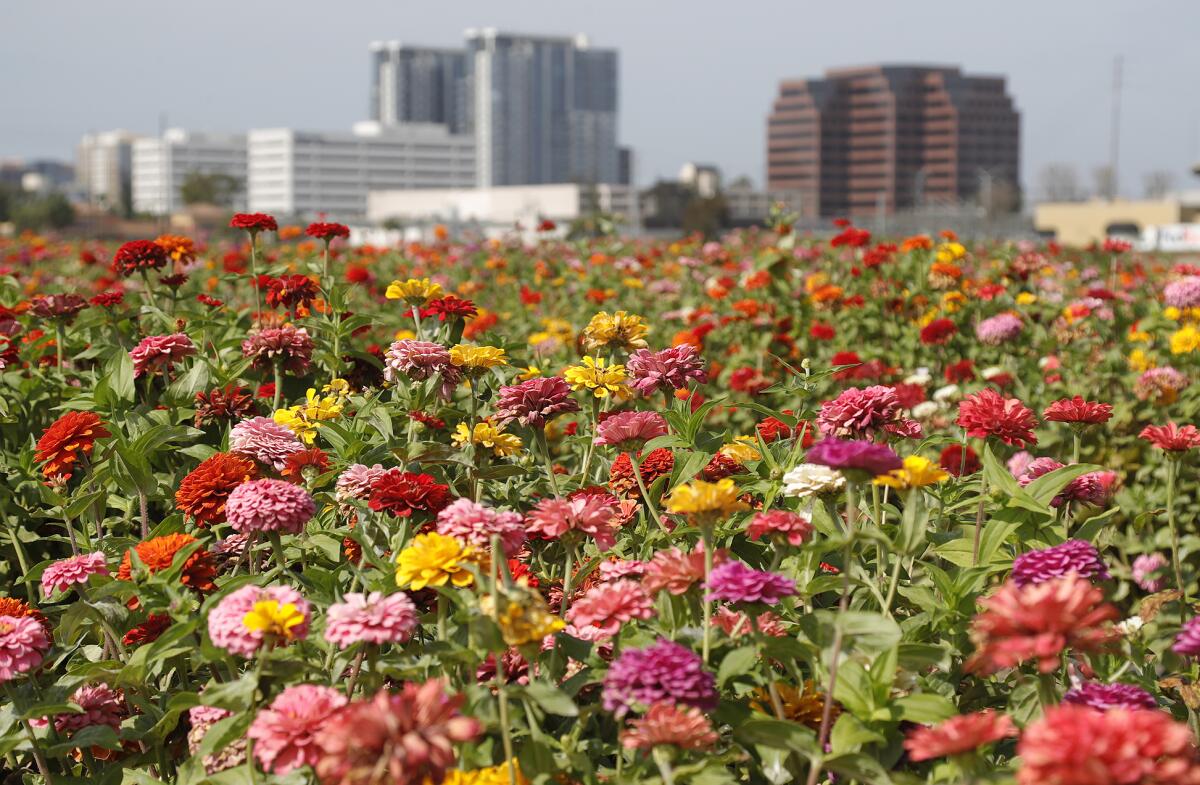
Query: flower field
774	509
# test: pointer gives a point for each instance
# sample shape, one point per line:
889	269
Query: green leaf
1049	485
779	734
736	663
119	373
925	707
849	735
869	632
551	699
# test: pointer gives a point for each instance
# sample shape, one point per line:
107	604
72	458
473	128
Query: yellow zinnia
597	376
488	436
414	291
477	358
741	449
621	330
1185	340
1026	298
271	618
433	560
492	775
523	617
698	497
917	472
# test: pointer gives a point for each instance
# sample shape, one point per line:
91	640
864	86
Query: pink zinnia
160	352
355	482
421	360
780	524
959	734
23	645
628	429
600	612
862	413
290	346
667	369
733	581
101	704
474	524
284	733
534	402
269	506
65	573
264	440
684	727
402	738
616	569
589	514
371	618
1145	572
1171	437
675	571
226	621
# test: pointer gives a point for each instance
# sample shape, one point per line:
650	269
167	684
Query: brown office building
890	138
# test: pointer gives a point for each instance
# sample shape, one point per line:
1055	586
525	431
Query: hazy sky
697	78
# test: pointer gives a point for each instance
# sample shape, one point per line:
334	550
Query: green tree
201	188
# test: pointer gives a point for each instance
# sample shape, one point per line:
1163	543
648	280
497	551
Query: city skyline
720	77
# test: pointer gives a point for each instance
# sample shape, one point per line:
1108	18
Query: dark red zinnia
989	414
959	461
254	222
402	493
938	332
327	231
138	255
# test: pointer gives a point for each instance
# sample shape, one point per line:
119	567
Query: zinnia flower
327	231
475	524
1110	696
733	581
254	223
289	346
535	402
264	440
284	733
402	493
811	479
591	515
999	329
1072	744
65	573
203	493
434	559
862	413
1090	488
269	506
1171	437
917	472
421	360
664	723
1145	568
627	429
138	255
355	482
414	291
959	461
706	498
597	376
276	612
1038	622
662	671
474	360
1183	293
667	369
23	645
101	704
1187	642
402	738
69	438
621	330
854	456
226	403
1077	410
160	353
676	571
600	612
370	618
486	436
959	734
780	525
987	414
158	554
1073	556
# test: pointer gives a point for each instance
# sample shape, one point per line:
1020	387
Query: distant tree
43	212
215	188
1105	182
1059	183
1157	184
707	216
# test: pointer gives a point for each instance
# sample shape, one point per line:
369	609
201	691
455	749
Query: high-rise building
891	137
419	85
544	109
161	166
103	169
304	173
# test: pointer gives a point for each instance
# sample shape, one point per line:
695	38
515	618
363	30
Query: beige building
1081	223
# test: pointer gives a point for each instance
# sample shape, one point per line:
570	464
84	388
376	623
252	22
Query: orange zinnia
158	554
203	493
11	606
70	436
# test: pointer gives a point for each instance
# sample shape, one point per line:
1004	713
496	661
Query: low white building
503	207
102	168
306	173
162	165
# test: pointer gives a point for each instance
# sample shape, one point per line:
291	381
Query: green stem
23	561
979	519
1077	439
277	549
278	372
706	536
587	457
254	274
539	436
38	757
1172	470
568	566
650	505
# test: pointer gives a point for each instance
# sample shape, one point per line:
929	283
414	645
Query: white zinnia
948	393
810	479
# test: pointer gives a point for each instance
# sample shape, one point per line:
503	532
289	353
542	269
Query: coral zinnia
600	612
158	553
475	524
1073	744
402	493
23	645
781	526
290	346
684	727
284	732
959	734
589	514
204	491
1038	622
434	560
626	429
160	353
987	413
67	439
403	738
1077	410
1171	437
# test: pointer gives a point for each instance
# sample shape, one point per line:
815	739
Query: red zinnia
148	631
986	414
223	403
139	255
254	222
291	291
938	331
1171	437
449	308
327	231
959	734
402	493
959	461
203	492
158	553
657	463
313	460
1077	410
961	371
69	437
822	332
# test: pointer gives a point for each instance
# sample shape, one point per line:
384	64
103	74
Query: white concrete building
103	164
304	173
162	165
503	207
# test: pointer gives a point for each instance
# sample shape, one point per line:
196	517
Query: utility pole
1114	152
